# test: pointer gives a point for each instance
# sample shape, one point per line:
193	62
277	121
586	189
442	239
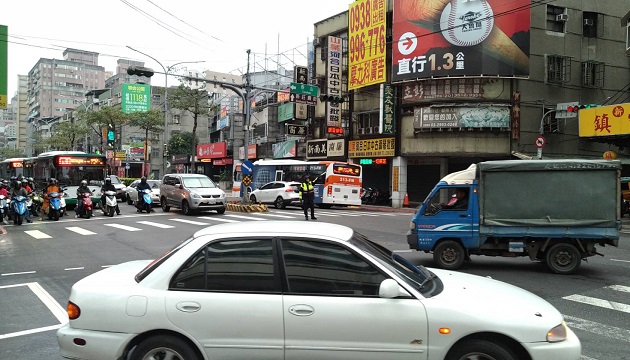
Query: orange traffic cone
406	201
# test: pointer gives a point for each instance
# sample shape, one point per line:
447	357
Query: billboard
4	33
383	147
460	38
367	43
461	117
212	150
333	75
136	98
605	121
285	149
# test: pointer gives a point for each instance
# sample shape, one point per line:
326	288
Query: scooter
54	207
86	210
109	207
368	196
146	200
62	205
19	209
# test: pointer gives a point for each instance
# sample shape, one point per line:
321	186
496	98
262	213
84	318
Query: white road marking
123	227
190	221
274	215
584	357
80	231
599	302
76	268
18	273
403	251
619	288
318	213
31	331
218	219
52	305
150	223
37	234
628	261
243	217
597	328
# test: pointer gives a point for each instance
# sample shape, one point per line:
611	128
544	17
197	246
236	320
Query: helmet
30	179
51	181
83	182
16	184
24	181
108	180
143	179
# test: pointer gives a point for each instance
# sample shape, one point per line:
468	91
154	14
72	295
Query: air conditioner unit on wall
562	17
588	22
376	130
368	130
316	41
361	131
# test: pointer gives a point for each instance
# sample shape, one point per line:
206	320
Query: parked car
132	191
314	290
279	193
120	188
191	192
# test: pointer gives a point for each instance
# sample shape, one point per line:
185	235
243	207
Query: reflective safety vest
306	188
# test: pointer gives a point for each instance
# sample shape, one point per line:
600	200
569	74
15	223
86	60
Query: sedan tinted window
321	268
230	266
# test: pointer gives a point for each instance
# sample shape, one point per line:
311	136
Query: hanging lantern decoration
610	155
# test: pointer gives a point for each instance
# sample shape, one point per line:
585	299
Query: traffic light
140	71
111	136
576	108
333	99
165	149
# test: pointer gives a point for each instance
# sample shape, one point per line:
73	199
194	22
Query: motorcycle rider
108	186
3	191
142	186
52	187
83	188
18	190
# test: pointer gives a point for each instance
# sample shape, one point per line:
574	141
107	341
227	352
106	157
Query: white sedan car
132	191
279	193
294	290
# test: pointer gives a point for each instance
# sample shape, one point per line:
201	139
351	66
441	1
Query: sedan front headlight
195	195
558	333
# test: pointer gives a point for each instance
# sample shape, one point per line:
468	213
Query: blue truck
554	211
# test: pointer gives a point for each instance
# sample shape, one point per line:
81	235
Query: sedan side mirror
389	289
181	186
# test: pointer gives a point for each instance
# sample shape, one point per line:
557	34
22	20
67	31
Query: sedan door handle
301	310
188	306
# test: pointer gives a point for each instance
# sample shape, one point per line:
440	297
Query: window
556	18
558	69
592	24
551	124
628	36
449	199
321	268
593	74
232	265
175	119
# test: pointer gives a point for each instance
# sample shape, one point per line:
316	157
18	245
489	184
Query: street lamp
167	70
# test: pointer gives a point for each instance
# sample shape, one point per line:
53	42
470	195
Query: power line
169	13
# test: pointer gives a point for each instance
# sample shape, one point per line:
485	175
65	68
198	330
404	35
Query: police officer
307	193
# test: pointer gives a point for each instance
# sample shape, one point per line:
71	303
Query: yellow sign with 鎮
367	27
372	148
608	120
121	155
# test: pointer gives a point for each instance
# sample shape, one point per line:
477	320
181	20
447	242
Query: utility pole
248	114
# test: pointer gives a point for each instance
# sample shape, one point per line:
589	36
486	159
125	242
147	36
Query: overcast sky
218	32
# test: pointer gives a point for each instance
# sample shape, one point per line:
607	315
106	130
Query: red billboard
212	150
441	38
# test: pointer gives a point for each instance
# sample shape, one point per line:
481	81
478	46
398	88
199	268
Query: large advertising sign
367	43
285	149
333	75
372	148
605	121
4	33
212	150
136	98
460	38
461	117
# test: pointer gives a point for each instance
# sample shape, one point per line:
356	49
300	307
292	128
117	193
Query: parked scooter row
375	196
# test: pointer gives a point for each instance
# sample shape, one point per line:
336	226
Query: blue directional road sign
247	167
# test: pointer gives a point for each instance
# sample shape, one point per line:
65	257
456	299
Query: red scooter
86	209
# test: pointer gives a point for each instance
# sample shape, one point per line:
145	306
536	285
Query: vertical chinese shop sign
367	43
388	122
3	66
333	75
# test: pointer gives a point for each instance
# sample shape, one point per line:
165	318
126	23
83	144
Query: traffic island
238	207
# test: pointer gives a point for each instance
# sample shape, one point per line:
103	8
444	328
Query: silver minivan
191	192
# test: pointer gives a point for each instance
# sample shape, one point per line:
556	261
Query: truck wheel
563	258
449	255
480	349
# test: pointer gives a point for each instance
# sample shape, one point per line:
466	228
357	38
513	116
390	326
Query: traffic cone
406	201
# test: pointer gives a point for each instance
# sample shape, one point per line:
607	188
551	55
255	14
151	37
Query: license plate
211	201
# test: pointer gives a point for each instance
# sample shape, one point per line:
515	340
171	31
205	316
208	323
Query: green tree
7	153
196	103
65	135
181	143
39	144
99	119
149	121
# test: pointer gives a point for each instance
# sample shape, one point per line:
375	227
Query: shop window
558	69
593	74
556	18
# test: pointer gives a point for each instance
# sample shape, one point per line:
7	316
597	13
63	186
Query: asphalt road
39	262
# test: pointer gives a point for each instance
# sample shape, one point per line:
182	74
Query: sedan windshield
198	182
419	277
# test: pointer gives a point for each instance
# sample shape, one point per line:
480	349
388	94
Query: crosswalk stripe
318	213
619	288
80	231
597	328
190	222
599	302
38	234
274	215
218	219
243	217
123	227
161	226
